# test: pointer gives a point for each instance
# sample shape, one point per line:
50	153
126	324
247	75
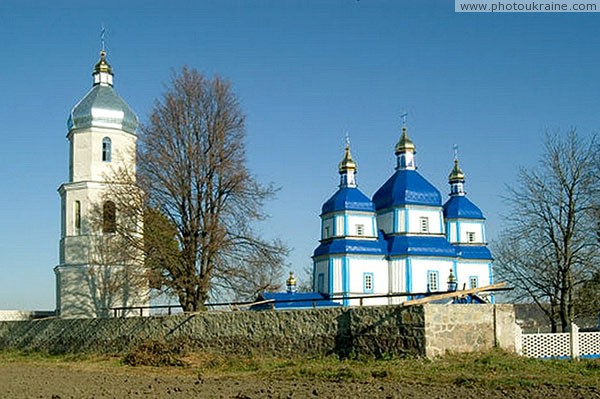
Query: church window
360	229
368	282
109	217
474	281
470	236
77	217
432	281
424	224
326	232
106	149
321	283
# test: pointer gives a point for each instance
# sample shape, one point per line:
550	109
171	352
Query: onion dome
347	164
456	175
348	197
291	283
404	144
102	106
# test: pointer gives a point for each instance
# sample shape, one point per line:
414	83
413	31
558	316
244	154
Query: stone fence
426	330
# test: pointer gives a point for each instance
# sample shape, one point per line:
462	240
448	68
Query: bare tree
550	247
201	198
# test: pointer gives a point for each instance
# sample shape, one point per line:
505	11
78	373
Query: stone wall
372	331
468	328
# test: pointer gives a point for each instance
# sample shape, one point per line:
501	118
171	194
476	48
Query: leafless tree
201	198
550	246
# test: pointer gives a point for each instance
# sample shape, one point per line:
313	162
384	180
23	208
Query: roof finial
455	147
404	115
347	139
102	32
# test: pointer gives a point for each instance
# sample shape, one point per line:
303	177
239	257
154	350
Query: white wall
465	270
420	267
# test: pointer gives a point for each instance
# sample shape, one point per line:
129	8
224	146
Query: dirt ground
60	381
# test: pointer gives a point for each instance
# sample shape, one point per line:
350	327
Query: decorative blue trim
365	289
330	276
406	224
455	271
491	272
345	280
408	276
395	226
457	231
373	226
346	226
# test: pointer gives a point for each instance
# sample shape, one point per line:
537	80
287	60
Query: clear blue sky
305	71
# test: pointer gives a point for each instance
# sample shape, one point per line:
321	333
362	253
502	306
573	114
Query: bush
156	354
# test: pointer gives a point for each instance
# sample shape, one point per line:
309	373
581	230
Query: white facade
95	274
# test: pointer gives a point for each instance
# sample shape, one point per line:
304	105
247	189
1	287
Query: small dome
404	144
102	107
457	174
348	199
406	187
347	163
460	207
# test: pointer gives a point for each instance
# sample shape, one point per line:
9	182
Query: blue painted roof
406	187
293	300
460	207
341	246
473	252
420	245
350	199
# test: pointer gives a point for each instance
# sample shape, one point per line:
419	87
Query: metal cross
455	151
347	139
403	116
102	32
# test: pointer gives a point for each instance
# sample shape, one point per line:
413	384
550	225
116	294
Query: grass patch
490	370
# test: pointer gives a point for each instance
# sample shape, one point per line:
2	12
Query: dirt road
62	381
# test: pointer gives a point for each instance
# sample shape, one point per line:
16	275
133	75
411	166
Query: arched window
106	149
109	217
77	217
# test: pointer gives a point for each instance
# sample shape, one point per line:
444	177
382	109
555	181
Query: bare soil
73	380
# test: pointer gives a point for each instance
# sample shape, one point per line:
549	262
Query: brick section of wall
371	331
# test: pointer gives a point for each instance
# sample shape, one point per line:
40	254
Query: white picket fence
573	344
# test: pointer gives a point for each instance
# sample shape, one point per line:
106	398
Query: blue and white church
403	240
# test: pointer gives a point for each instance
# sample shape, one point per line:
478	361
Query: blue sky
305	72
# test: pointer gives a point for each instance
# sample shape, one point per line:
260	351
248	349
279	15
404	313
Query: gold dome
291	281
102	65
347	163
404	144
457	174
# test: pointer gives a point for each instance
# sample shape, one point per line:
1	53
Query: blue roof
420	245
342	246
349	199
460	207
473	252
406	187
287	300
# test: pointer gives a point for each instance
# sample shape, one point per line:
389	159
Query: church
93	276
403	240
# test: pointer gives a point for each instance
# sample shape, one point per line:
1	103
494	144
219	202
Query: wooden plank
453	294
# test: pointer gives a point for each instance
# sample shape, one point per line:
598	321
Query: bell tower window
424	224
109	217
77	217
106	149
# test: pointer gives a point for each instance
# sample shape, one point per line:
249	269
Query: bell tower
92	275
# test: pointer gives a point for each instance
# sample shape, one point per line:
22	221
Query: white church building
403	240
102	140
